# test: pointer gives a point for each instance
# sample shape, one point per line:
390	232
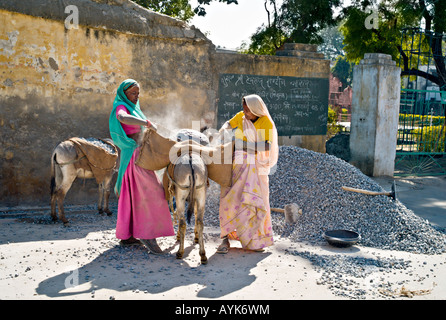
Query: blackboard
298	106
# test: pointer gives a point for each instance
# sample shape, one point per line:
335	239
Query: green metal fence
421	130
421	133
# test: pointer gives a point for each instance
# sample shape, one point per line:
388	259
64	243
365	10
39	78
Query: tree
295	21
180	9
393	16
343	70
332	46
359	40
201	11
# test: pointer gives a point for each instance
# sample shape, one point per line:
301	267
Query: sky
228	26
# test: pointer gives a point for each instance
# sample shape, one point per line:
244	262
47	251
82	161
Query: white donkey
189	182
66	166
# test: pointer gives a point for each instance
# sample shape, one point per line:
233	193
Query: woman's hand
151	126
225	126
252	147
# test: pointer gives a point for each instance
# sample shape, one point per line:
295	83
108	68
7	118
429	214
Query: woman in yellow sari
244	207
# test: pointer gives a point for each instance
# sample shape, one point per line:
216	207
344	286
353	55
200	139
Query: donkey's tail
56	173
191	200
53	174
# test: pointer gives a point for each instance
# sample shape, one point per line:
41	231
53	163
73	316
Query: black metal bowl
341	238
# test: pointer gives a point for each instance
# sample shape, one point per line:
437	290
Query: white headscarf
265	159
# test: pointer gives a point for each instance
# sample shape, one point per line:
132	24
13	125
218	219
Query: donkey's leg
196	234
100	197
53	199
178	232
56	180
69	175
53	207
181	196
199	196
106	185
104	195
200	200
182	233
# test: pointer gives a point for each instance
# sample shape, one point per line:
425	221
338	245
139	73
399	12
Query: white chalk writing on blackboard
297	105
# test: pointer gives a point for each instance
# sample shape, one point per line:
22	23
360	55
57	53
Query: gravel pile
100	144
313	181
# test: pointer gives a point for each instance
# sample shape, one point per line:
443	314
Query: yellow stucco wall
56	83
41	57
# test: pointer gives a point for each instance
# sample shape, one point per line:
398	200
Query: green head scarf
117	133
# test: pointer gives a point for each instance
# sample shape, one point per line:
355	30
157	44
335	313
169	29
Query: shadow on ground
133	268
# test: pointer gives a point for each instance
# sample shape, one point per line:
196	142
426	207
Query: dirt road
41	260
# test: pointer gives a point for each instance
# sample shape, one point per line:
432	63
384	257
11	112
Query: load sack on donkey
99	155
157	152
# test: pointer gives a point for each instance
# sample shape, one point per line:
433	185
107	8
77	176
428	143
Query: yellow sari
244	207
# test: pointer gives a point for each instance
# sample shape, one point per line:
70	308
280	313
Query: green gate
421	127
421	133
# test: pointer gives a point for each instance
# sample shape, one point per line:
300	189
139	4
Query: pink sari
143	211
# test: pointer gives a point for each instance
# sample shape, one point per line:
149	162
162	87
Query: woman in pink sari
244	207
143	212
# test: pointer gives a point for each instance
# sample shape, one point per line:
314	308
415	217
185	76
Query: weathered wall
56	83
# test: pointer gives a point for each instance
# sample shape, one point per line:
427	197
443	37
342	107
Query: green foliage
439	19
295	21
332	123
343	70
417	120
393	16
264	42
428	131
180	9
201	11
431	139
302	20
359	40
414	42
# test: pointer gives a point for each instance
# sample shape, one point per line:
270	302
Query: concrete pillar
375	108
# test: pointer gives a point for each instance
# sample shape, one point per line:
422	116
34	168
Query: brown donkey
68	163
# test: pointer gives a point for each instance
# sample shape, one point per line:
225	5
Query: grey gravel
345	275
100	144
313	181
